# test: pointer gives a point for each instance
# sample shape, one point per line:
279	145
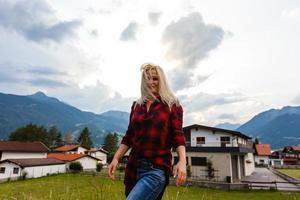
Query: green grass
291	172
76	186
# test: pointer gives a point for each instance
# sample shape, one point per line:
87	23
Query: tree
110	144
68	138
54	137
30	132
85	138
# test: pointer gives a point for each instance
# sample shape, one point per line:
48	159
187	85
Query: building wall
87	163
220	162
12	155
32	172
249	164
38	171
211	139
81	150
100	155
9	167
265	160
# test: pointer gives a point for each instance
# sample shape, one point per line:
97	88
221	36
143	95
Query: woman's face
152	81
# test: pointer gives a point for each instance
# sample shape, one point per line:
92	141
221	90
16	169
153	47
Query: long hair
164	91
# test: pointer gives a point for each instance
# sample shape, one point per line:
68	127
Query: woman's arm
179	170
118	155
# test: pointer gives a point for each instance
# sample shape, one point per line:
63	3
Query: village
217	158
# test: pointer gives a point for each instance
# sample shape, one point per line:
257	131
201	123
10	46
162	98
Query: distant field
291	172
76	186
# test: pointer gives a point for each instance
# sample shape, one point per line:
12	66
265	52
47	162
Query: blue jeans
150	183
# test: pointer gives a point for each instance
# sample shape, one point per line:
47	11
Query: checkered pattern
151	135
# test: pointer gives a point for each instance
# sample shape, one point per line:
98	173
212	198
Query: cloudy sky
225	60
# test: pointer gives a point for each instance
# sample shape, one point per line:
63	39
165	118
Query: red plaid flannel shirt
151	135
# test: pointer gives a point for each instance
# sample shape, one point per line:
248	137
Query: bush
121	168
189	171
76	167
99	167
24	174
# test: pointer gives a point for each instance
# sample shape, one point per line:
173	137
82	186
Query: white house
17	149
32	167
262	154
71	148
88	162
98	153
230	153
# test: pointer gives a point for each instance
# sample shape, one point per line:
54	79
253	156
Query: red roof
295	148
263	149
68	156
18	146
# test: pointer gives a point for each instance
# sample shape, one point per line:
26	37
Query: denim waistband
145	163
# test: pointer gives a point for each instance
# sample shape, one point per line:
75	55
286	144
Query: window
199	161
2	170
16	170
225	140
176	160
200	140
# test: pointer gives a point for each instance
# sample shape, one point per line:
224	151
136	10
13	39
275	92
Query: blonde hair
164	90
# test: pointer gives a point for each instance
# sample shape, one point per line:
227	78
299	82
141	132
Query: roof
263	149
18	146
214	129
96	150
68	147
29	162
291	148
69	156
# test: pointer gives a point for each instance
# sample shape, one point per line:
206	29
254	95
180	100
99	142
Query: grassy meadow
291	172
78	186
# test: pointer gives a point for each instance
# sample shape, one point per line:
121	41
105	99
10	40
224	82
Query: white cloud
189	41
154	17
129	33
35	20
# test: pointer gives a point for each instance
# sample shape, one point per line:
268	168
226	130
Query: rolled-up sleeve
178	138
127	139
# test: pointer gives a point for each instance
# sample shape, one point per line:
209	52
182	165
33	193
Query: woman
155	127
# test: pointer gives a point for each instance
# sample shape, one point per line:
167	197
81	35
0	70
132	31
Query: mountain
228	126
17	110
278	127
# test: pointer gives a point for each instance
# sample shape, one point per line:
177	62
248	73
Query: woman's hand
179	172
112	168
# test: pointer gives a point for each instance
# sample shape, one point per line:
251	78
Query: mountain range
17	111
278	127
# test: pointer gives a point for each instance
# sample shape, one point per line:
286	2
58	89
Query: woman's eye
155	79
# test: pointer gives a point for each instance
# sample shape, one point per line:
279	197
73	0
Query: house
276	158
71	148
30	168
18	149
262	154
218	154
88	162
291	155
98	153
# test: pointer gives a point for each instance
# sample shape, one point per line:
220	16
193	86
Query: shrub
210	169
99	167
189	171
76	167
24	174
121	168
